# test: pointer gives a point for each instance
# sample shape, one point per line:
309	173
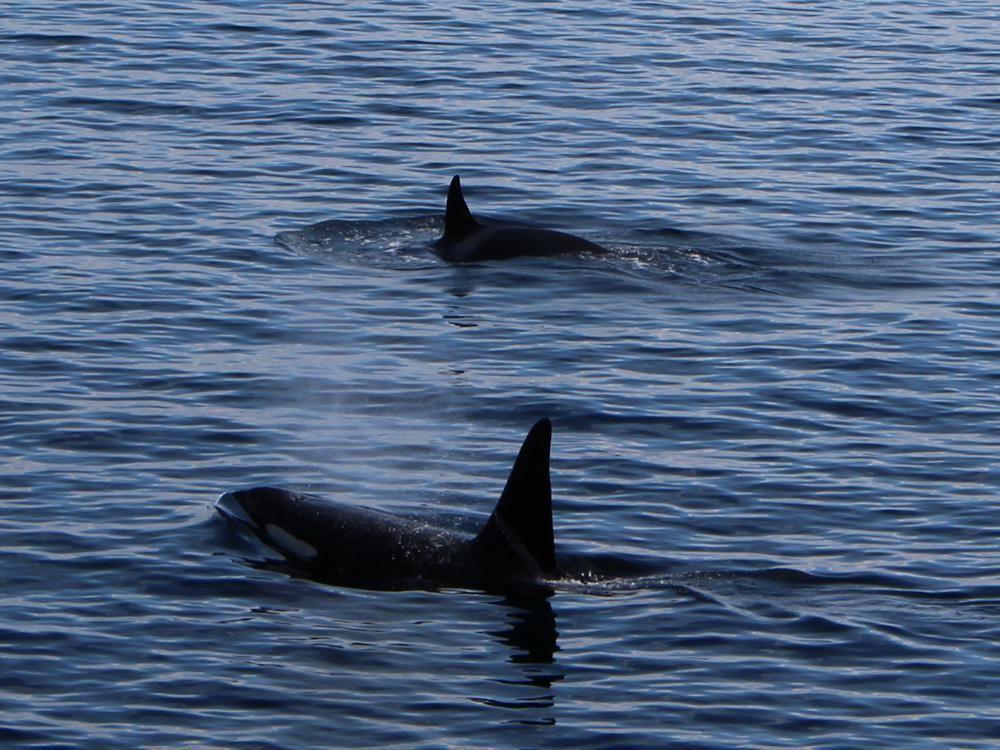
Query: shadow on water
532	639
643	258
531	624
527	631
530	630
521	621
872	612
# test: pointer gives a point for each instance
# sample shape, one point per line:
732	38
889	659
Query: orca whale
465	239
368	548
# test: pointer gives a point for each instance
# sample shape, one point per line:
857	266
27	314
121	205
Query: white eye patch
289	543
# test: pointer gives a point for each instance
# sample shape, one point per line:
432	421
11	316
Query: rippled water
779	390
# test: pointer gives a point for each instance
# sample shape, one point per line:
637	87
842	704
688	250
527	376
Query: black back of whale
465	239
369	548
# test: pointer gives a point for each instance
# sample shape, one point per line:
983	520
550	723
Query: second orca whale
368	548
465	239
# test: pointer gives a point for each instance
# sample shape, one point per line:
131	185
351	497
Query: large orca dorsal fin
458	220
522	519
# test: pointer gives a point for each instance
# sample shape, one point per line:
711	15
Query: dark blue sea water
780	389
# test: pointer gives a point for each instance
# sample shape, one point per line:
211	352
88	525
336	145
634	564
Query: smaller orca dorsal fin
522	519
458	220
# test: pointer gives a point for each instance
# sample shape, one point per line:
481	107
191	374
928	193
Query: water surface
779	390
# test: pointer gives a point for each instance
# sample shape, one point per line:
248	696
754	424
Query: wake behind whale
646	256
